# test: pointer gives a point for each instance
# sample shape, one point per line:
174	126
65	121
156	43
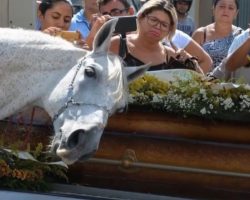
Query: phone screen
125	24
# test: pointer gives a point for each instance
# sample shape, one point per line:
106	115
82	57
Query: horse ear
134	72
102	39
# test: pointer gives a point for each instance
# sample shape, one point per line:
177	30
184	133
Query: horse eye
90	72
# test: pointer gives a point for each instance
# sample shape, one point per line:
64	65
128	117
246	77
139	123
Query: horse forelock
118	73
115	75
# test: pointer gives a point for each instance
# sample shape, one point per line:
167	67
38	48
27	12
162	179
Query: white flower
203	93
203	111
156	98
131	99
228	103
211	106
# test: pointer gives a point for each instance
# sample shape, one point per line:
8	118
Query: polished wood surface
155	123
166	154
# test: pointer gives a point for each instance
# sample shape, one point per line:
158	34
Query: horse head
97	87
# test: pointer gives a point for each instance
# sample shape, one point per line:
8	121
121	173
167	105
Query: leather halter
70	97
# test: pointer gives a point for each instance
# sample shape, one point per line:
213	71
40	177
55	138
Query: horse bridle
71	101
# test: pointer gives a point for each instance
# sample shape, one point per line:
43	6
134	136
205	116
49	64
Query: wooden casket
165	154
162	153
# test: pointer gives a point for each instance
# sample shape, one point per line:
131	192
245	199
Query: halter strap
71	101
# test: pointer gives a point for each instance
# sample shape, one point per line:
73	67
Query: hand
53	31
82	44
98	20
182	55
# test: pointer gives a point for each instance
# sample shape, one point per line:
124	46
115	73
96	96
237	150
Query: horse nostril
74	138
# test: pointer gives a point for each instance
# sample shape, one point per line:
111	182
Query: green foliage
192	97
29	170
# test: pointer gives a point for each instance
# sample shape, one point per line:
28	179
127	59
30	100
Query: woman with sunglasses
156	20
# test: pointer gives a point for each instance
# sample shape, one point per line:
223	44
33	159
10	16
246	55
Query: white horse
78	89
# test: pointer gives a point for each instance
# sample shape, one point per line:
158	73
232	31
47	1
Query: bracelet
194	58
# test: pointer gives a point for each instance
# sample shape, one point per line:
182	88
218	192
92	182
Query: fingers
82	44
98	21
53	31
182	55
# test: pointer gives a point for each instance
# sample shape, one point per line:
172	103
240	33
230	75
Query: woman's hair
161	5
215	2
48	4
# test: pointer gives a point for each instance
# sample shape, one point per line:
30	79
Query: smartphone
71	36
125	24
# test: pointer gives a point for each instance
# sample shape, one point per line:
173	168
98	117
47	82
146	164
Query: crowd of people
165	31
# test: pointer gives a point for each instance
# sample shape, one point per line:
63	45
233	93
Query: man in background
106	10
115	8
185	21
82	21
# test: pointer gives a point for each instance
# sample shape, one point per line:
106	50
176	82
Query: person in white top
236	65
182	40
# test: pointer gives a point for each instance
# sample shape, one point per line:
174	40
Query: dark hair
104	2
215	2
48	4
188	1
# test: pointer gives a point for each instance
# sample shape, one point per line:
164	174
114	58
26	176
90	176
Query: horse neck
31	65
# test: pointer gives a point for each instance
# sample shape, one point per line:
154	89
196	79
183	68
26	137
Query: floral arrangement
29	169
196	96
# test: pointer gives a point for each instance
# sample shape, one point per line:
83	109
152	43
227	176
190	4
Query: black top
130	60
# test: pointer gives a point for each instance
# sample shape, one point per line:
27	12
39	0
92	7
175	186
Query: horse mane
18	46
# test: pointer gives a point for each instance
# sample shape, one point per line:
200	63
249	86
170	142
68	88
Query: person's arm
240	57
183	41
204	60
96	22
115	44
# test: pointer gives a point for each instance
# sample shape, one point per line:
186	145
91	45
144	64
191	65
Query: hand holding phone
71	36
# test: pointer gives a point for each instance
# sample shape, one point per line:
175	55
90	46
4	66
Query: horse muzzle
80	144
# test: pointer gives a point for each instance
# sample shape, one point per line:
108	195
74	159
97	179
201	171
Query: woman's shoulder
200	29
198	34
